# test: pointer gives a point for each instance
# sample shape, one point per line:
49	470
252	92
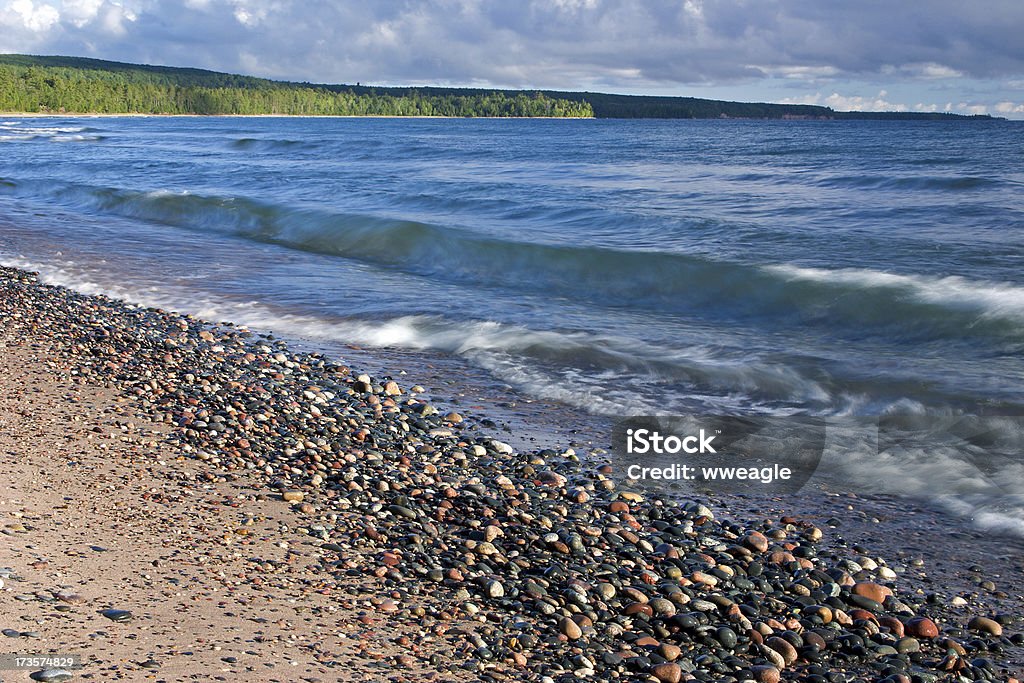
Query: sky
937	55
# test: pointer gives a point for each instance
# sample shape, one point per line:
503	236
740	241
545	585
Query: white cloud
800	72
849	102
923	70
81	12
1009	108
967	108
35	17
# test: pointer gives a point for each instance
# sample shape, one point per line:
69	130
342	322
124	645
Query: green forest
82	85
49	85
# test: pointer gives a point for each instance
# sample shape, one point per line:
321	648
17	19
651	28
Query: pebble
872	591
70	597
763	673
985	625
755	540
570	629
784	648
51	675
668	672
922	627
117	615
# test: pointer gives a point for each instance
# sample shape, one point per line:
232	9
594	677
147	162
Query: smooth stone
985	625
872	591
495	589
726	636
501	447
668	672
908	644
401	511
570	629
773	656
292	496
117	615
51	675
783	647
764	673
865	603
669	651
661	606
922	627
70	598
755	540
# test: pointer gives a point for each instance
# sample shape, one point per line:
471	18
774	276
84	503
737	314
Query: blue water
619	267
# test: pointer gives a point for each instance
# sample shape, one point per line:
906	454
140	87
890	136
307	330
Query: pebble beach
191	501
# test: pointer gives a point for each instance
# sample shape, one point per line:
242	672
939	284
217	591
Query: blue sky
938	55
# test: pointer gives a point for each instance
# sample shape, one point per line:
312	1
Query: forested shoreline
77	85
29	86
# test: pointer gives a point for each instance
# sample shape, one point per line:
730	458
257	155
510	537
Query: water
617	267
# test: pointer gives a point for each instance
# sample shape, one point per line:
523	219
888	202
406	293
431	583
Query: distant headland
78	85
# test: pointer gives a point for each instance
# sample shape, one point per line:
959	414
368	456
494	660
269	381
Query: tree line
81	85
26	85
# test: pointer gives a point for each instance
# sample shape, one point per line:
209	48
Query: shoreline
529	564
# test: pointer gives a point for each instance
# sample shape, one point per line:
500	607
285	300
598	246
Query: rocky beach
187	500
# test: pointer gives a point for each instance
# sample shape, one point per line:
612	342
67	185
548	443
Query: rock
922	627
117	615
69	597
402	511
755	540
662	607
905	645
985	625
495	589
501	447
821	611
774	657
783	647
570	629
292	496
668	672
726	636
51	675
764	673
669	651
872	591
392	389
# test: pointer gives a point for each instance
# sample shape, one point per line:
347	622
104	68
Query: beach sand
416	552
97	512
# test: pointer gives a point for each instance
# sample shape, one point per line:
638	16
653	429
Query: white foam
75	138
994	299
936	472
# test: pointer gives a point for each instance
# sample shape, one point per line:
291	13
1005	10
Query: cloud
1009	108
850	102
881	102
